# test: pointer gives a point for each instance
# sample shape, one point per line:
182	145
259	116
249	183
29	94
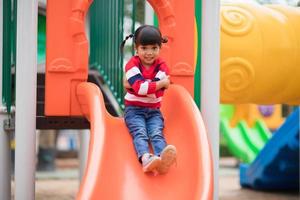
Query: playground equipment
260	49
244	128
263	86
173	18
259	64
66	66
110	150
271	115
245	142
277	165
113	172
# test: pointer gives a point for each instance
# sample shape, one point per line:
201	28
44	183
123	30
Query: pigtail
124	41
164	39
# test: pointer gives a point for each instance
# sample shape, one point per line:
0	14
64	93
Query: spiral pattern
237	75
236	21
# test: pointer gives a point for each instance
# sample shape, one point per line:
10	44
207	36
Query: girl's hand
166	82
125	83
163	83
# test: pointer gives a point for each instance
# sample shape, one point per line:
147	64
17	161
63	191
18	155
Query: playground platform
63	183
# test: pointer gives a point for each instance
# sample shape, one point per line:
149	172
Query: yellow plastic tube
260	54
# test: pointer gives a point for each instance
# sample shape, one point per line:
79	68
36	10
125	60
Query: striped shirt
143	83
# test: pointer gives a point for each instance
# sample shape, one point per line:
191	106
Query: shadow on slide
113	171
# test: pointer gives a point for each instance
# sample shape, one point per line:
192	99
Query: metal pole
5	178
1	45
210	76
149	14
26	78
83	151
5	188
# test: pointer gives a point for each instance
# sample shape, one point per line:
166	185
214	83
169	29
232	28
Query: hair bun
164	39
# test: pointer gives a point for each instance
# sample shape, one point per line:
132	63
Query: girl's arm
163	83
126	83
162	77
136	79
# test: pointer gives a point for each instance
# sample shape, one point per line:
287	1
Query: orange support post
177	22
67	55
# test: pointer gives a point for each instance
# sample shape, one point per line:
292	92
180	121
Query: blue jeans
145	125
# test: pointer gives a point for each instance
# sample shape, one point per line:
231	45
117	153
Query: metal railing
9	51
106	34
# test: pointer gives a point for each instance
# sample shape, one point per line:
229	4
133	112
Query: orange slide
113	171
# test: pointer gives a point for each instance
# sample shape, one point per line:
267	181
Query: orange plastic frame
67	55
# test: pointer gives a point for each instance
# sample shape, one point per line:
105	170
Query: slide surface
113	171
277	165
245	142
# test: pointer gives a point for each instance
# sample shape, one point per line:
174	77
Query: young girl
146	77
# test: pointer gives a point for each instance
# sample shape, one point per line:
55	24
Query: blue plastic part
277	165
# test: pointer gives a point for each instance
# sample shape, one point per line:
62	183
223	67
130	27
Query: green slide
242	141
255	137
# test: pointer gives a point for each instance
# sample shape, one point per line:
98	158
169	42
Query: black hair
145	35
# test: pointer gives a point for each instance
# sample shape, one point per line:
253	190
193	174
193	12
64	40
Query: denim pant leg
135	121
155	126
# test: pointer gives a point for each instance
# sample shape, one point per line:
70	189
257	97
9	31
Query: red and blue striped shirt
143	83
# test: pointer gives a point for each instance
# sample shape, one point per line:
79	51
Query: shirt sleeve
162	71
136	80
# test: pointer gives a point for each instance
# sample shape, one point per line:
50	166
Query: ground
63	184
230	189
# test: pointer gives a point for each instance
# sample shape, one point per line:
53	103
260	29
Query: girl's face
148	53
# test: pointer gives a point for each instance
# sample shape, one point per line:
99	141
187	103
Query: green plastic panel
106	34
9	51
41	39
197	79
